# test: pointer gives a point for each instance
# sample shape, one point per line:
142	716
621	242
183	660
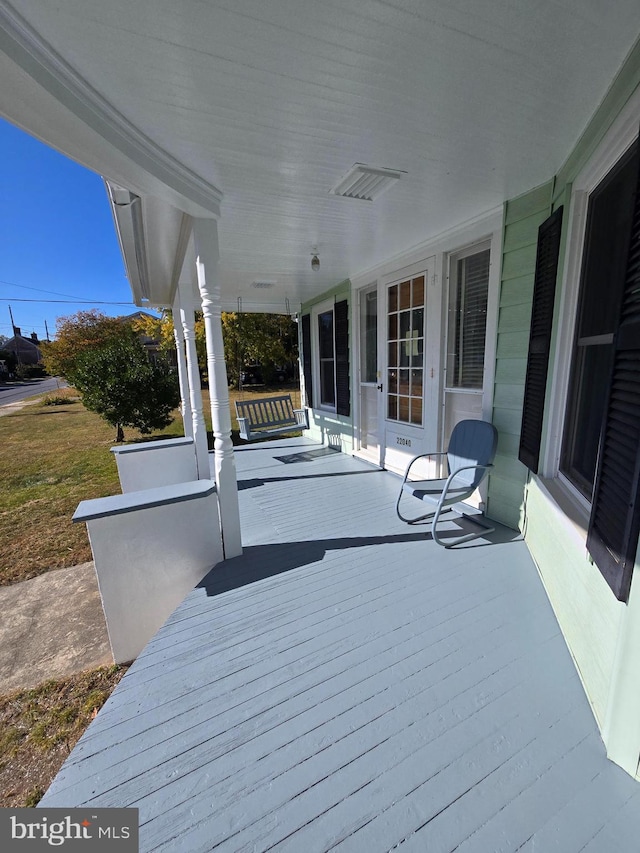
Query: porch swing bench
265	417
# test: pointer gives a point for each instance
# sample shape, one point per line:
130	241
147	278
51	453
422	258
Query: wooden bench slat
268	416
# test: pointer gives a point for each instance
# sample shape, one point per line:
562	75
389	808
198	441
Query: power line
39	289
65	301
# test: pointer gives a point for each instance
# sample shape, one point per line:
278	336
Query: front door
398	368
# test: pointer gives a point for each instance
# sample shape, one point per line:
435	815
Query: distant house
26	350
151	345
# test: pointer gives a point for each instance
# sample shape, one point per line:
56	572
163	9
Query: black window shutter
544	290
343	395
615	509
306	359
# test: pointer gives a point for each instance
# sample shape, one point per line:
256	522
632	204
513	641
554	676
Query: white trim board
57	80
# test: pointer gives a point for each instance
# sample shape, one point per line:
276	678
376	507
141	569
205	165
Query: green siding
523	216
522	260
519	233
511	371
507	420
588	613
512	344
509	396
528	205
590	617
517	291
515	318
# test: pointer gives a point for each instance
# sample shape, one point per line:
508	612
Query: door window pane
392	407
393	298
405	329
416	383
403	409
417	291
405	325
405	295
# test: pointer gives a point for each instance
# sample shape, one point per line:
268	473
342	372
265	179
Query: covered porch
347	684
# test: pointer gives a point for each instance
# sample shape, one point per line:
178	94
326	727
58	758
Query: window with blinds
467	321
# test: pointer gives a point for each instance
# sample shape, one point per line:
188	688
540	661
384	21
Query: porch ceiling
272	103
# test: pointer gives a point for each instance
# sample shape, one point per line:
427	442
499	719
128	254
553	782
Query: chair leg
419	517
468	537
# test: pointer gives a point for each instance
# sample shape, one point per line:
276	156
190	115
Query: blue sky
56	235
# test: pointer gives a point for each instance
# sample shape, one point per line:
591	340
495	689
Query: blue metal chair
470	456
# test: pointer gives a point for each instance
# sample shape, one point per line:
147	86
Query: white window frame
490	327
616	142
316	312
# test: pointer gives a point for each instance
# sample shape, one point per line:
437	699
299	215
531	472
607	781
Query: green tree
161	330
267	339
77	333
118	382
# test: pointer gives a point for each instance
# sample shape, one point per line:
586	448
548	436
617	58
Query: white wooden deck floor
348	685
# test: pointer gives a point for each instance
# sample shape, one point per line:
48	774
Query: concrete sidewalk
51	626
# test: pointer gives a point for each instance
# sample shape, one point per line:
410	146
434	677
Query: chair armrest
421	456
302	418
244	428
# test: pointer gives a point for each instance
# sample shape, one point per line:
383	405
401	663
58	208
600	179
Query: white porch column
205	232
199	429
183	380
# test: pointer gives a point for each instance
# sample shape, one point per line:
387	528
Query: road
15	391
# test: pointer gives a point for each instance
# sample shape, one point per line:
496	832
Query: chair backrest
472	443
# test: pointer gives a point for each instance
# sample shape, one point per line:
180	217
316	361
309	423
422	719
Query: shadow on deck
348	685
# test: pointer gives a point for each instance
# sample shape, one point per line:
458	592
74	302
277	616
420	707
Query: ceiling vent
366	183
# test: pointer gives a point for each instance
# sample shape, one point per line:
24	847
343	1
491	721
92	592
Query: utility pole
15	336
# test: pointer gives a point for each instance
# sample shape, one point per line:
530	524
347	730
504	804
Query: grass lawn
55	456
40	727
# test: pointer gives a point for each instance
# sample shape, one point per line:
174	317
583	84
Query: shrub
30	371
119	383
56	400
